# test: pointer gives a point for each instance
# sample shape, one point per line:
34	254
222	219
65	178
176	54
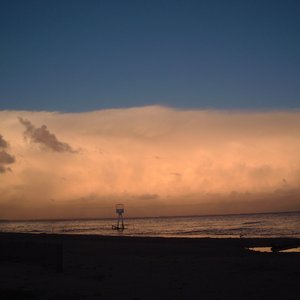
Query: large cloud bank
158	161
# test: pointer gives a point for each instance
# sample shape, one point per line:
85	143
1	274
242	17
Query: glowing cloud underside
158	161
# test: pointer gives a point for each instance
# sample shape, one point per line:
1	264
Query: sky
170	107
80	55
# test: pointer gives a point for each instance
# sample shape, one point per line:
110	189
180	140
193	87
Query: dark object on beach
121	228
277	248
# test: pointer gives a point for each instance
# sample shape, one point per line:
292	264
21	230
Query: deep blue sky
84	55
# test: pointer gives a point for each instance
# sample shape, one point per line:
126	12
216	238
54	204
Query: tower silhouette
120	220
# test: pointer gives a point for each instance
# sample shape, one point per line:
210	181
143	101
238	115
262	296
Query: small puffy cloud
43	137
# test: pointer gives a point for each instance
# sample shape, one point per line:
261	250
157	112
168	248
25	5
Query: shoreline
45	235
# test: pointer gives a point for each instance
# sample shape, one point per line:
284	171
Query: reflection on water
269	249
291	250
260	249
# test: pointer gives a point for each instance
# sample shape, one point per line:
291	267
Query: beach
49	266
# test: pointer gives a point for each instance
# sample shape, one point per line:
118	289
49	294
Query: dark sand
97	267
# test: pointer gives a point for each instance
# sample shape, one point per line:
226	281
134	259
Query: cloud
43	137
3	143
4	169
155	160
5	157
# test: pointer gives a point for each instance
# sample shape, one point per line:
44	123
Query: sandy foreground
40	266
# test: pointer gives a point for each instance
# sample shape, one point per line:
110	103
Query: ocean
221	226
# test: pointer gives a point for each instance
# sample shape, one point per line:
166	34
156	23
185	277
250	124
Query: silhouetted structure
120	221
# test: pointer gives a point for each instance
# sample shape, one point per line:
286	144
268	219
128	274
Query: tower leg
122	222
118	223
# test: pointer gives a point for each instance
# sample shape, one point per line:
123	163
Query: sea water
246	225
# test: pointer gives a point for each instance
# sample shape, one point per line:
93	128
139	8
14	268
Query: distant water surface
250	225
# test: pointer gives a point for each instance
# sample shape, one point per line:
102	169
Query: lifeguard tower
120	221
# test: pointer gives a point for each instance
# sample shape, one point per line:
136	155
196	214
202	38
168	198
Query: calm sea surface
251	225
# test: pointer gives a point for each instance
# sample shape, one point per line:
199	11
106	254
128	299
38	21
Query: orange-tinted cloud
159	161
5	157
43	137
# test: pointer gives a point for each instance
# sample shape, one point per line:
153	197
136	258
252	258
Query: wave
252	223
81	229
